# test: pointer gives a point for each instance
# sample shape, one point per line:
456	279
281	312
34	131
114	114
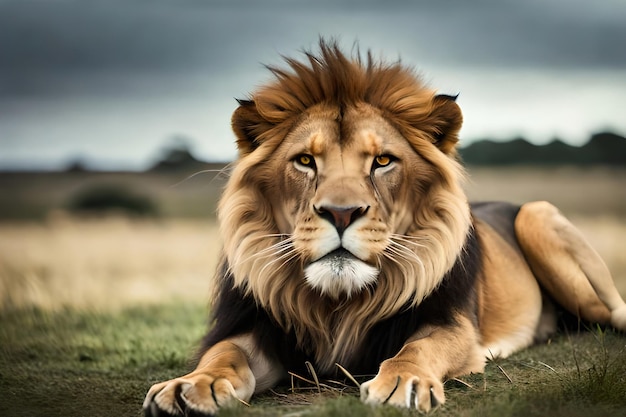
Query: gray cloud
39	37
140	70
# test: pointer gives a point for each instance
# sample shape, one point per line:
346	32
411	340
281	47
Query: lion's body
348	240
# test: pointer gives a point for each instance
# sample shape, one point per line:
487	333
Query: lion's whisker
287	257
293	256
222	173
408	239
402	266
255	238
284	237
392	251
405	253
260	255
273	249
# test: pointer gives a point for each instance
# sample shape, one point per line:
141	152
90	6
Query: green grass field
76	363
95	310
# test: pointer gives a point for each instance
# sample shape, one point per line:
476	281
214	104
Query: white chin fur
334	277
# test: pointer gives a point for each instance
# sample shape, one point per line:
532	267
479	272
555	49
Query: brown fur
334	257
333	87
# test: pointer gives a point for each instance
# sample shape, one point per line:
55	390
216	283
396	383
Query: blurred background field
151	237
105	290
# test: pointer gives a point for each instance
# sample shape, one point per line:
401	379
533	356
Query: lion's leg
229	371
567	266
510	302
414	377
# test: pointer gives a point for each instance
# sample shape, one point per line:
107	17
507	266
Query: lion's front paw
404	385
200	395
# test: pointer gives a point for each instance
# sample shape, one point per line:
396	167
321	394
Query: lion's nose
341	217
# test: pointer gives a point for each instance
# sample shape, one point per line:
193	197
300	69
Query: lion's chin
340	273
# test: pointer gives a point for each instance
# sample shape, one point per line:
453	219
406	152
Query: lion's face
347	182
346	195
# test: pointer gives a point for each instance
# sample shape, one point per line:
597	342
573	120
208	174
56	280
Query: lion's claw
404	389
197	396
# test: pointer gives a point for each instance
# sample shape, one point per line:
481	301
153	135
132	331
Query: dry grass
593	191
116	262
106	264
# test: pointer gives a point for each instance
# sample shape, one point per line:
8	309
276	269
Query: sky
113	82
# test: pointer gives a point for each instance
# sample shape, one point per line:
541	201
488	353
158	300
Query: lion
348	239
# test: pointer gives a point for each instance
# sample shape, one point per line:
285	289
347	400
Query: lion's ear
247	124
446	122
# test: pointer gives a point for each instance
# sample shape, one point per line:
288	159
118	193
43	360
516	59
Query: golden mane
249	230
332	78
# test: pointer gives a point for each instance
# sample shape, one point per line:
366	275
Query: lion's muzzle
340	273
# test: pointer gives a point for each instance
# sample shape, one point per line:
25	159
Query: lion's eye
305	161
382	161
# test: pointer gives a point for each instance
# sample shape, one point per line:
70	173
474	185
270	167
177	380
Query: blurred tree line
178	184
602	149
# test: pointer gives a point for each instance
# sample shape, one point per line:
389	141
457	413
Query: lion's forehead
361	133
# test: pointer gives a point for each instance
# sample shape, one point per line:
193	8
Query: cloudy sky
113	81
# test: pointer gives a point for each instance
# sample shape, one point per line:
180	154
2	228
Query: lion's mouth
339	256
340	272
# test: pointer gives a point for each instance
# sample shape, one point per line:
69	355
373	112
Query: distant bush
106	198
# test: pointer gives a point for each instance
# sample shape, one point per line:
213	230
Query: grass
106	263
76	363
93	311
71	363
